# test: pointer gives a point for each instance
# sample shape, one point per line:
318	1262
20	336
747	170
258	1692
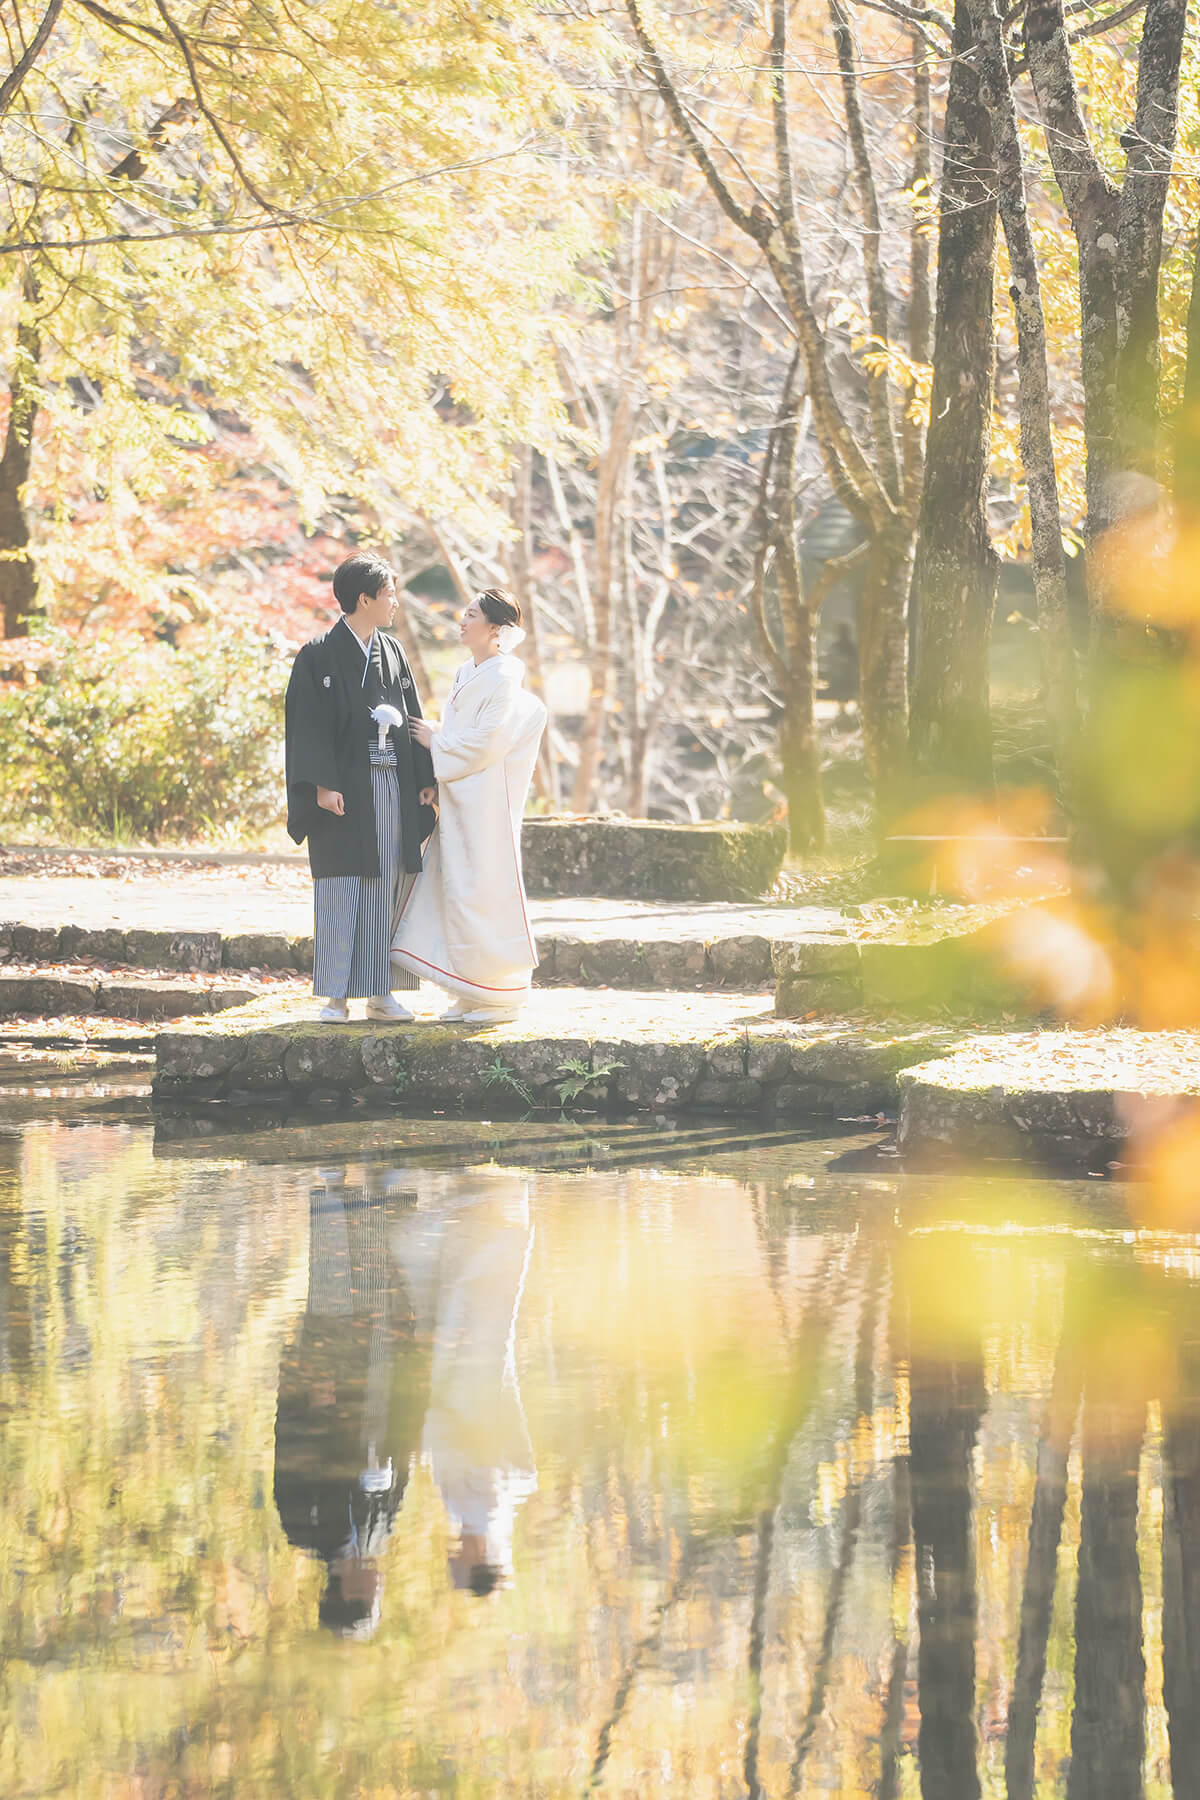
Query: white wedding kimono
476	1440
465	925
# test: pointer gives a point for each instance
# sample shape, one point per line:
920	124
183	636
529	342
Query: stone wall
765	1072
965	972
636	859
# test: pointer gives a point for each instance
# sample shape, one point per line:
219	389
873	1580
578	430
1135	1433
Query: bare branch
276	221
721	193
725	263
856	483
1095	27
221	134
11	84
765	535
732	154
125	27
920	16
575	547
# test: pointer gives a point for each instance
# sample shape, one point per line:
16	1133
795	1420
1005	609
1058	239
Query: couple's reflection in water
405	1353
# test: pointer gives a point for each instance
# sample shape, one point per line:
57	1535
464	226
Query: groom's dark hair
359	575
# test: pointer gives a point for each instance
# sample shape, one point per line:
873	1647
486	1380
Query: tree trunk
799	744
1191	379
920	299
1181	1578
1119	235
1092	204
520	579
947	1401
1041	1568
879	394
800	757
644	629
791	657
883	669
954	581
1037	444
856	479
1108	1726
1140	211
611	485
18	573
631	682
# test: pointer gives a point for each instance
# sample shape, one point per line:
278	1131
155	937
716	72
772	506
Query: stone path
258	900
147	898
128	913
653	1051
74	992
1075	1095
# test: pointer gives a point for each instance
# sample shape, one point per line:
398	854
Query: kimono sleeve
465	749
309	758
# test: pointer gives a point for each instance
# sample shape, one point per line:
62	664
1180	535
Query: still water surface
413	1460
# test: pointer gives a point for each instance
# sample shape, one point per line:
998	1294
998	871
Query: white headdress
509	636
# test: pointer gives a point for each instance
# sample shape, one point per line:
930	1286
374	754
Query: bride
465	925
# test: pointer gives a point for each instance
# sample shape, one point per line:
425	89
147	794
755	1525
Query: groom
358	788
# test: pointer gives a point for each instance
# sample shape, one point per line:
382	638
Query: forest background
818	375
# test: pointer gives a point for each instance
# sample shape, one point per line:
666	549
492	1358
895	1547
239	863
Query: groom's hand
427	796
331	800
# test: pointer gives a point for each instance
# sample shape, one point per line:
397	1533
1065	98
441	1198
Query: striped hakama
354	916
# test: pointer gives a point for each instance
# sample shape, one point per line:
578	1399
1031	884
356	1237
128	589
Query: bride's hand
422	730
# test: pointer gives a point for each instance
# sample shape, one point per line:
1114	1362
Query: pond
451	1459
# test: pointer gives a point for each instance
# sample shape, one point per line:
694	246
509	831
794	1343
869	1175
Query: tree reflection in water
843	1488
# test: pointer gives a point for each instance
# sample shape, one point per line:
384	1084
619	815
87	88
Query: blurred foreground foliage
132	740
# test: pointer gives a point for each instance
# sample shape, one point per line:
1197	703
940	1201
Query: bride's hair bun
498	606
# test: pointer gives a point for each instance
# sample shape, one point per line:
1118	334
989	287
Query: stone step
813	959
188	952
648	1051
631	958
834	970
1064	1096
34	993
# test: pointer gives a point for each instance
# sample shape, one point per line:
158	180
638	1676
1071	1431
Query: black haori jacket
329	731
